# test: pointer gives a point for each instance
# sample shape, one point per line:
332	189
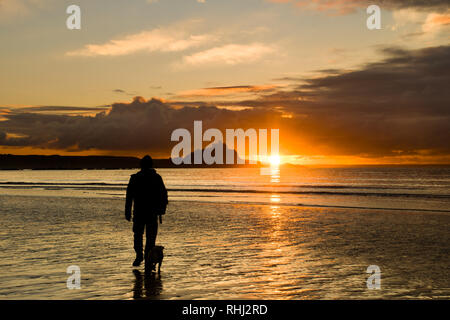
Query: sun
274	160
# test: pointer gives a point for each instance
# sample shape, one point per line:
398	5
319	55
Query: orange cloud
169	39
229	54
340	6
350	6
223	91
435	21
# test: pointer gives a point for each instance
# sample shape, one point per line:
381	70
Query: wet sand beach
221	251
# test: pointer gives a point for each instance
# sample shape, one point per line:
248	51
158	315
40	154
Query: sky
136	70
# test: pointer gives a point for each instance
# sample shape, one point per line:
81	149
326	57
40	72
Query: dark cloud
61	109
233	87
400	104
397	106
124	92
405	81
139	125
227	90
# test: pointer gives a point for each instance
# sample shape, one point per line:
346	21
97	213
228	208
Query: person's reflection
147	285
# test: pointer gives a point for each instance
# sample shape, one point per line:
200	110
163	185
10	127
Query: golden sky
338	92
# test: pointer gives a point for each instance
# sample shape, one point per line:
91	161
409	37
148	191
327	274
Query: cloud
417	4
59	109
425	17
139	125
350	6
424	23
121	91
230	54
436	21
170	39
224	91
396	107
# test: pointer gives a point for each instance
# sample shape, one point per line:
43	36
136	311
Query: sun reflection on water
275	198
274	174
275	179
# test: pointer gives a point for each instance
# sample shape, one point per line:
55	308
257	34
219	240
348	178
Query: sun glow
274	160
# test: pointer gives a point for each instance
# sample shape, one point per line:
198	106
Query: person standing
147	194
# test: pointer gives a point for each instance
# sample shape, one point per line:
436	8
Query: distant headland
57	162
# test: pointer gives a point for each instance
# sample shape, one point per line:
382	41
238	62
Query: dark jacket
146	189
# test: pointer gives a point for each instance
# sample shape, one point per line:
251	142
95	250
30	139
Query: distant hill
56	162
199	153
8	161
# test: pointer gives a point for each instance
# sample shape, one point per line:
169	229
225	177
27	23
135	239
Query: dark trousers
151	230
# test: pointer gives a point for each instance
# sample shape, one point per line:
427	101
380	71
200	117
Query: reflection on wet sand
147	285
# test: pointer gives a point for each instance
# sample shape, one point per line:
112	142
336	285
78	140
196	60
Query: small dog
153	257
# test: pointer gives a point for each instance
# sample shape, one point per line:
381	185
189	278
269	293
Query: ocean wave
313	186
296	190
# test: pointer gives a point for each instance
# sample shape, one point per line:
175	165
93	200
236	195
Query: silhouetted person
147	191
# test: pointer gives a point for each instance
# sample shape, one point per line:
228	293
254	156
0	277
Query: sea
235	233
